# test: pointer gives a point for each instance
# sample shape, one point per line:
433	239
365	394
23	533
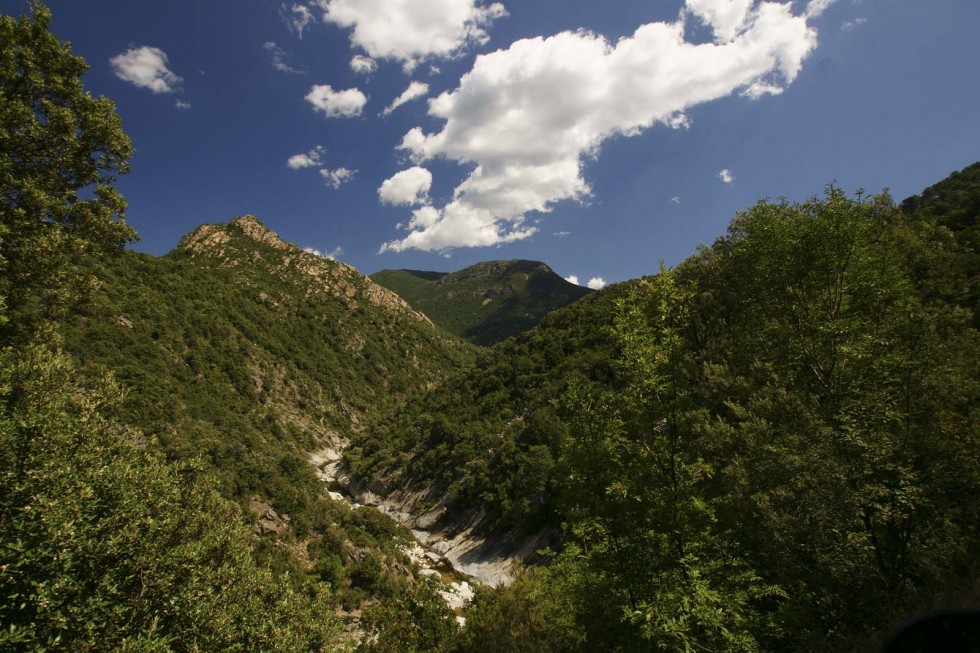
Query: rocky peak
254	229
263	247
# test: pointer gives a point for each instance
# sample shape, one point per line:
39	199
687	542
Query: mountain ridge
487	302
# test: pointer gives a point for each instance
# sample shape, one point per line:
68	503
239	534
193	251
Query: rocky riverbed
428	551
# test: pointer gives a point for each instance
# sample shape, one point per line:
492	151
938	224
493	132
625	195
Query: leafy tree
60	151
103	545
534	613
644	529
415	620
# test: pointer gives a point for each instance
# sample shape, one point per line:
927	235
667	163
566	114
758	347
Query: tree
60	152
103	545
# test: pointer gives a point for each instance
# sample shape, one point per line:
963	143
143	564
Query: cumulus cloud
362	65
596	283
336	104
726	17
726	176
411	31
311	159
278	57
414	90
145	67
338	177
526	118
572	279
406	187
297	17
181	104
333	254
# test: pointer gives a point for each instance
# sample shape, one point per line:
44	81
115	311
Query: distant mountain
248	351
487	302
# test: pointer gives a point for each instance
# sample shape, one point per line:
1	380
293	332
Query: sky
599	137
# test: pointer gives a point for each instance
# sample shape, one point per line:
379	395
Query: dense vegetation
249	352
102	543
489	438
773	446
784	429
485	303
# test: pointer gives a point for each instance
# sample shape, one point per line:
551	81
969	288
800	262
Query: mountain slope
487	302
951	210
784	429
246	350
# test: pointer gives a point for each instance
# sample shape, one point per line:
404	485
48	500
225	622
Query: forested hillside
485	303
247	351
773	446
783	428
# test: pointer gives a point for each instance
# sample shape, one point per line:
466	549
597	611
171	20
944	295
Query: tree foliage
60	152
103	545
776	450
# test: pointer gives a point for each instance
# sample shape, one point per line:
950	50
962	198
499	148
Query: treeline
780	453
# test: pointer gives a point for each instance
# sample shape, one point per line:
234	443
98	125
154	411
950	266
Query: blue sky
598	137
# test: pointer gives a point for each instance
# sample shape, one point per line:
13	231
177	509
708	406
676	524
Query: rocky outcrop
269	521
493	560
315	273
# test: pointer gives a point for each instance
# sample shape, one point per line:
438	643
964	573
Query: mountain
951	210
783	429
249	352
485	303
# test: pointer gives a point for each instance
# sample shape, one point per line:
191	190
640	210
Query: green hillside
783	428
487	302
237	333
774	446
242	353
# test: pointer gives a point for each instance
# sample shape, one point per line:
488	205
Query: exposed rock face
493	560
269	521
258	232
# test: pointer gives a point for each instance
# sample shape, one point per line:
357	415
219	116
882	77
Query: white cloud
181	104
816	7
278	57
851	24
145	67
414	90
726	176
362	65
562	234
596	283
411	31
757	89
674	200
726	17
525	119
297	17
311	159
406	187
333	254
336	178
336	104
572	279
